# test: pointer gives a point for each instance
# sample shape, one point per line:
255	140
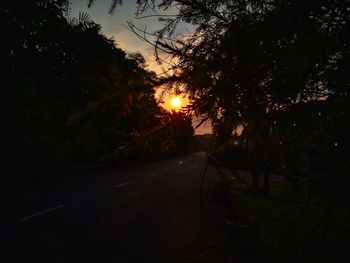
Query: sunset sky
114	25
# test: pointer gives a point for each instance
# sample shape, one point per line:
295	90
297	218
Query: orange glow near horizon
170	100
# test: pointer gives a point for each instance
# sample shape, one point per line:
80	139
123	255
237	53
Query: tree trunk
255	177
266	187
225	130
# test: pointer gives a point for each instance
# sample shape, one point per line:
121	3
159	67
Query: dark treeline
69	94
277	69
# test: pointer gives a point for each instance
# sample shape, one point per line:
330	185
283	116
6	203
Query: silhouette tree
30	65
62	102
247	62
172	133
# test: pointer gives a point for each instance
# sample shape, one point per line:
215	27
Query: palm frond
84	18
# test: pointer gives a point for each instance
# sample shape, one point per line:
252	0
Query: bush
232	156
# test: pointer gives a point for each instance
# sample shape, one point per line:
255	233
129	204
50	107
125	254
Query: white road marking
120	185
22	219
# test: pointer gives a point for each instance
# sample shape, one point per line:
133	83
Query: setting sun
176	102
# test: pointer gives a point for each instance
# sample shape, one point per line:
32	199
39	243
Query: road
155	212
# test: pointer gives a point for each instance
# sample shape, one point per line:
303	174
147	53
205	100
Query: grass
293	224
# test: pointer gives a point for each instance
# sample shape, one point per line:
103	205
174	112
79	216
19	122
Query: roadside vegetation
70	95
295	223
272	77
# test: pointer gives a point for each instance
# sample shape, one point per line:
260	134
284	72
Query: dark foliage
173	133
255	64
69	94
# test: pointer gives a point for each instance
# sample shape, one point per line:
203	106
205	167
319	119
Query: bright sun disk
176	102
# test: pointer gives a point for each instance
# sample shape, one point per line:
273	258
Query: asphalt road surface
155	212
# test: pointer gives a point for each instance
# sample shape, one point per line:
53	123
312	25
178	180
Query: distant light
294	125
180	162
281	142
319	114
336	144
